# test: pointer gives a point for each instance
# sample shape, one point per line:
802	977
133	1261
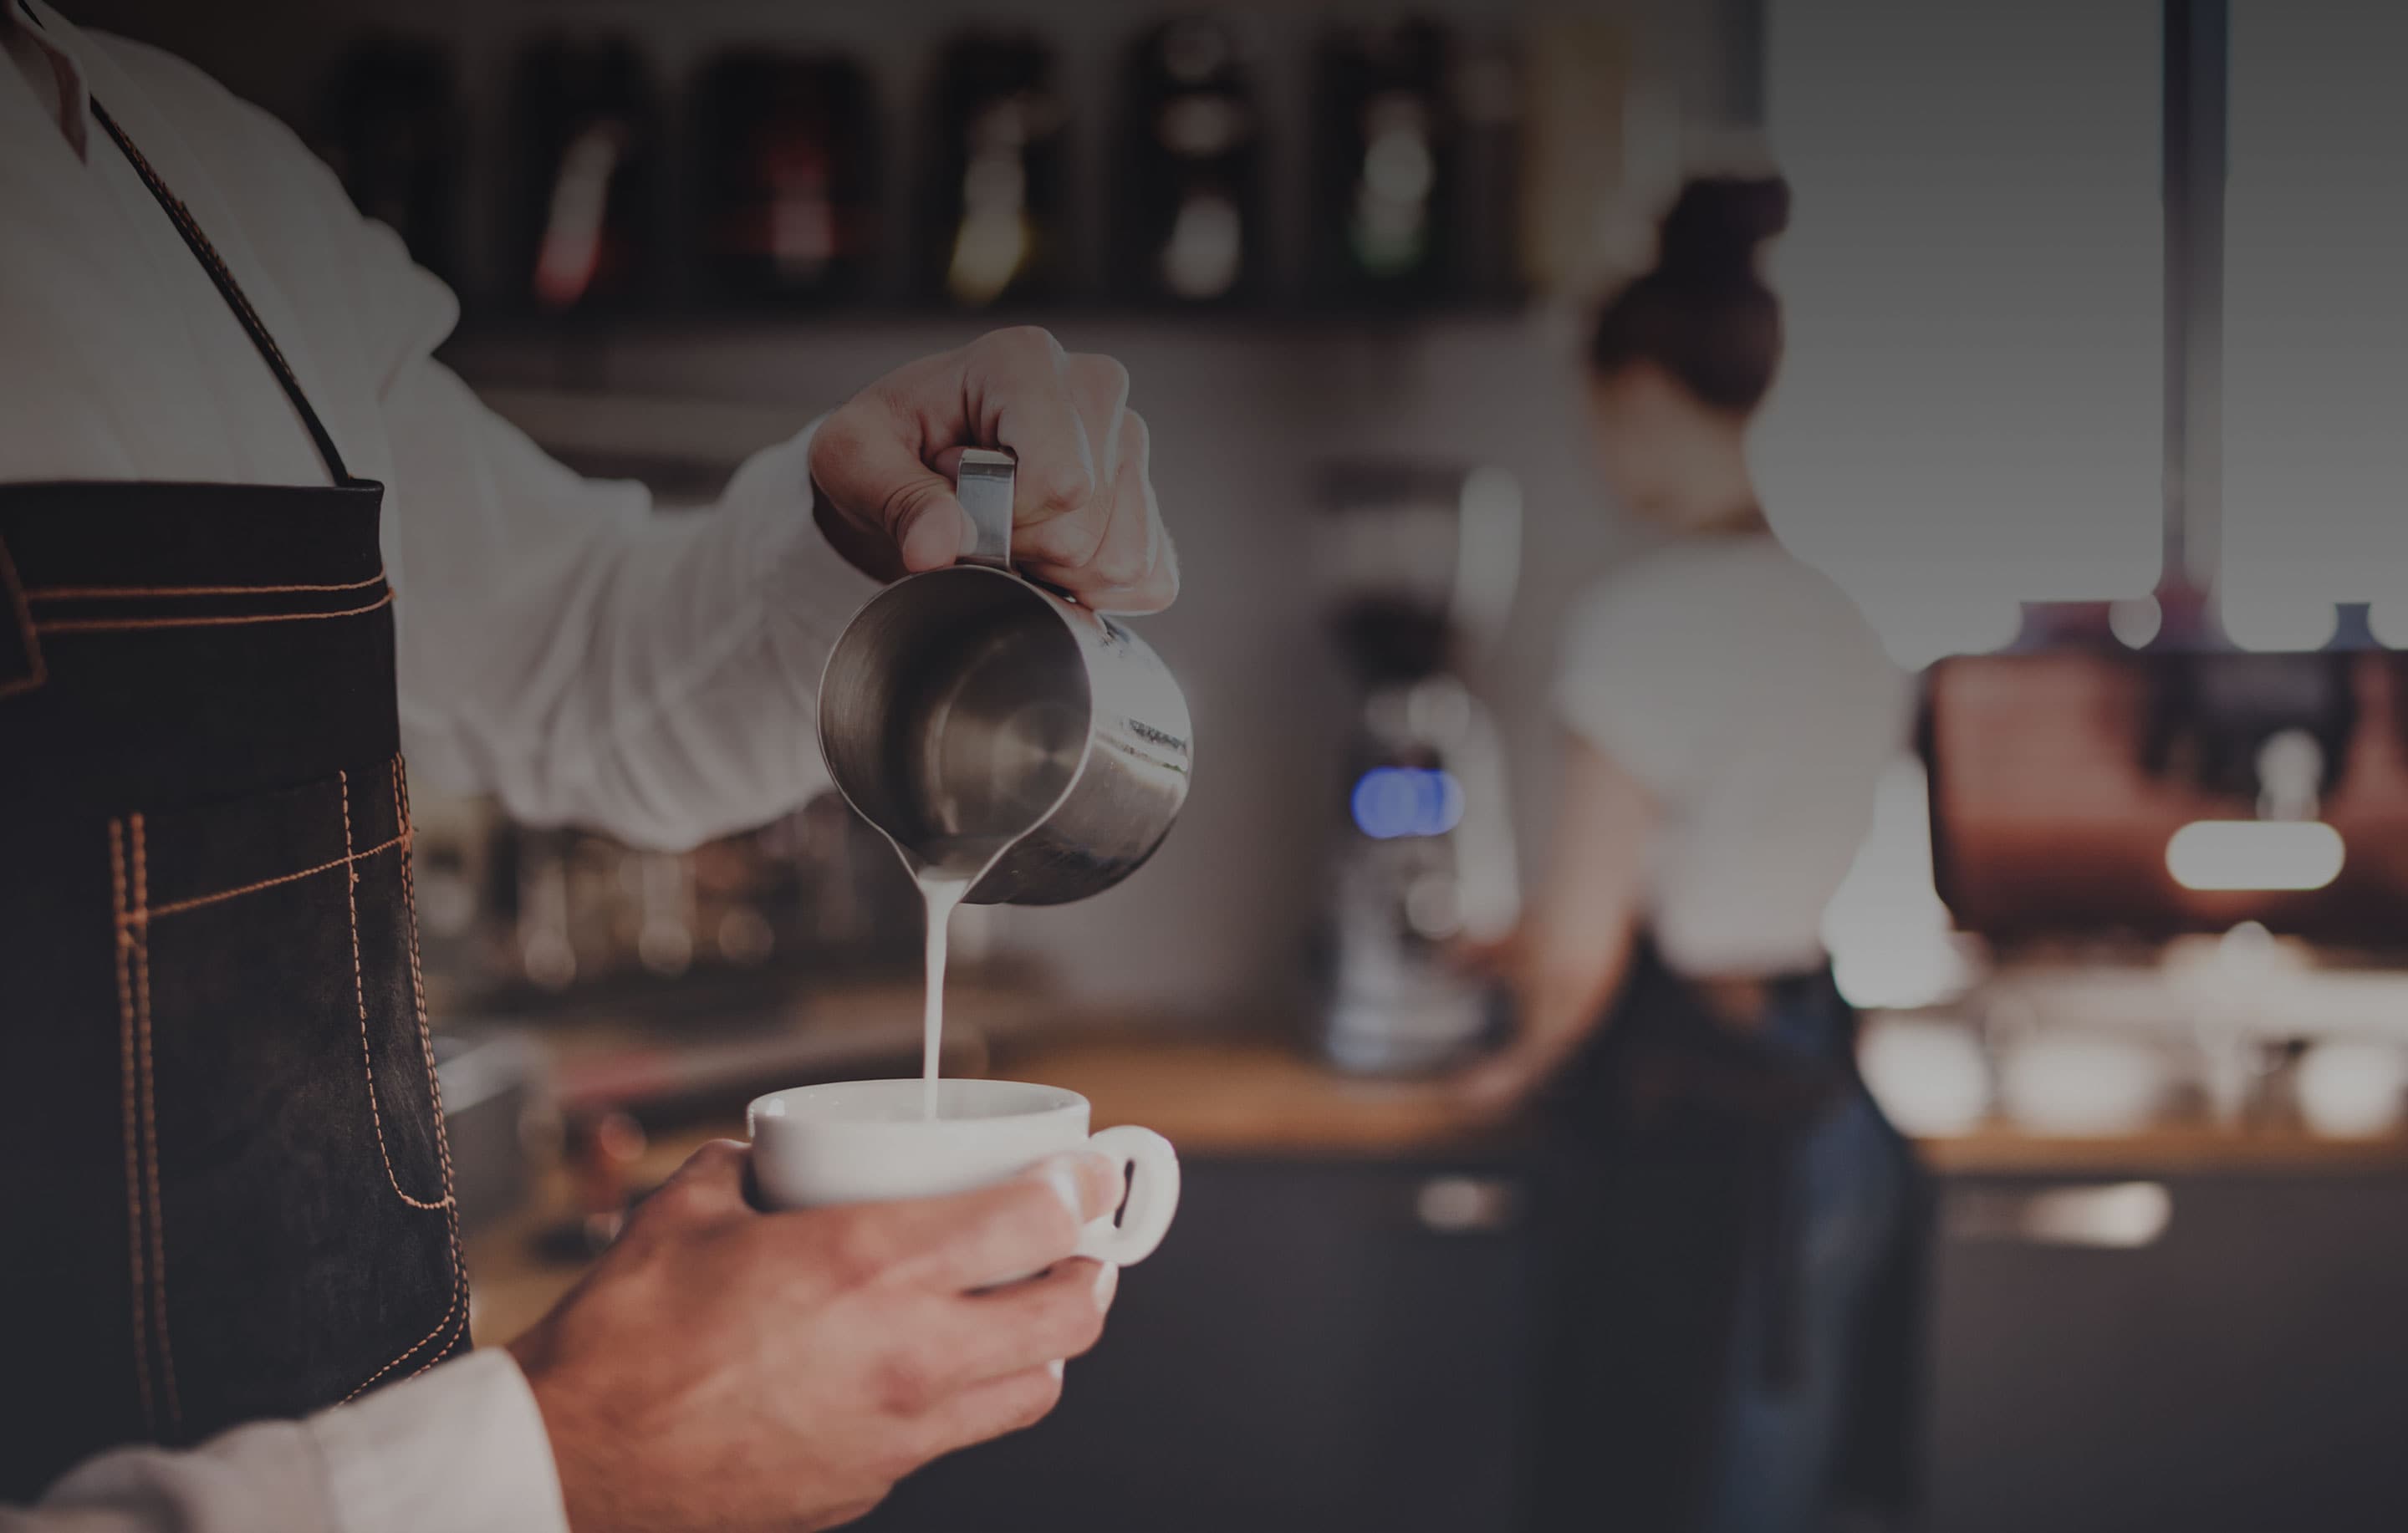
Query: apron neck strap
182	217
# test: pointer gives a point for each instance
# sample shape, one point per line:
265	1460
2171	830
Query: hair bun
1710	235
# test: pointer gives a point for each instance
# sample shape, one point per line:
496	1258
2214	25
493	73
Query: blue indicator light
1390	802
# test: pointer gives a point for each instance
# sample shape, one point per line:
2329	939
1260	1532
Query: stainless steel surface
983	485
979	720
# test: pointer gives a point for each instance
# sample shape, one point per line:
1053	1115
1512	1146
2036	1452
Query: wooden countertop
1228	1097
2164	1150
1247	1097
1257	1097
1209	1097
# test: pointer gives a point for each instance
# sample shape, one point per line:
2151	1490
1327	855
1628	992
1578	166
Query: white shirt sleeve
590	659
562	644
460	1449
565	645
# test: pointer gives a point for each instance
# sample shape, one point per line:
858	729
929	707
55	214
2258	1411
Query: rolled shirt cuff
461	1448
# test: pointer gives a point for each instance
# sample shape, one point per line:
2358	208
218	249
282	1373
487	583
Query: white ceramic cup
866	1141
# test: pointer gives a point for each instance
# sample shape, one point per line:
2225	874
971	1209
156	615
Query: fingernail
1108	1282
1054	1367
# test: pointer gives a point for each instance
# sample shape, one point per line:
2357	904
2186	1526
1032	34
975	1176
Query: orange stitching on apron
459	1290
198	900
15	596
103	626
140	1286
442	1138
106	592
418	995
459	1285
359	989
150	1131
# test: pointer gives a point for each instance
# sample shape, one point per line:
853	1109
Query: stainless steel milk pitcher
981	721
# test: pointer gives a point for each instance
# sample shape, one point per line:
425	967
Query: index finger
998	1234
1018	399
708	1188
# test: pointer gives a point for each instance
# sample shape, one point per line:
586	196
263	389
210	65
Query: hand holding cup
726	1369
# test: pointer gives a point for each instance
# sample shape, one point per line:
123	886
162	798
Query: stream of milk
940	892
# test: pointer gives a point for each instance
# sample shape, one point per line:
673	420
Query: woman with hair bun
1732	1225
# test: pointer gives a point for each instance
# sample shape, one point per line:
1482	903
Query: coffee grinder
1420	563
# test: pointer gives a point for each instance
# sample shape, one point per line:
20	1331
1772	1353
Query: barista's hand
732	1370
1549	1030
1497	1087
1084	519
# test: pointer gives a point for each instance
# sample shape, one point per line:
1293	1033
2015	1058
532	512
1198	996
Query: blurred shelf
570	347
678	400
876	309
670	441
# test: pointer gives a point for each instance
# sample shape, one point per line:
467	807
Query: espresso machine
1419	564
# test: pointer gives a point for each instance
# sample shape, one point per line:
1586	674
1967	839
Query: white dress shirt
560	645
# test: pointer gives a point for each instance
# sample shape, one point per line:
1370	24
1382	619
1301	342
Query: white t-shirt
1750	697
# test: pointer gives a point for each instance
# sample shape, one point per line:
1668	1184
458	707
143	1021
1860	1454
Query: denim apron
1734	1272
224	1189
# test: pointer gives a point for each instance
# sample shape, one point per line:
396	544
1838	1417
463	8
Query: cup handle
1151	1167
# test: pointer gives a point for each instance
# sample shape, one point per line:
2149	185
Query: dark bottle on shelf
389	125
993	224
1388	157
785	178
584	209
1187	219
1488	93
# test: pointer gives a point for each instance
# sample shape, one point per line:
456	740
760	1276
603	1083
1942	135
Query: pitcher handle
983	485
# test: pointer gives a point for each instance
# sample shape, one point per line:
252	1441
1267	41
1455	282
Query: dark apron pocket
290	1212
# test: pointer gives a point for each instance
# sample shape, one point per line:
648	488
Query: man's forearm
589	660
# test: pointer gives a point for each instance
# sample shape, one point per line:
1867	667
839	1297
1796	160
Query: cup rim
777	1107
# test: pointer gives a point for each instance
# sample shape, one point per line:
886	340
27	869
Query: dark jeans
1733	1252
1778	1444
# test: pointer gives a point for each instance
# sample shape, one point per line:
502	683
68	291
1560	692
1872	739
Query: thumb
874	480
929	527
